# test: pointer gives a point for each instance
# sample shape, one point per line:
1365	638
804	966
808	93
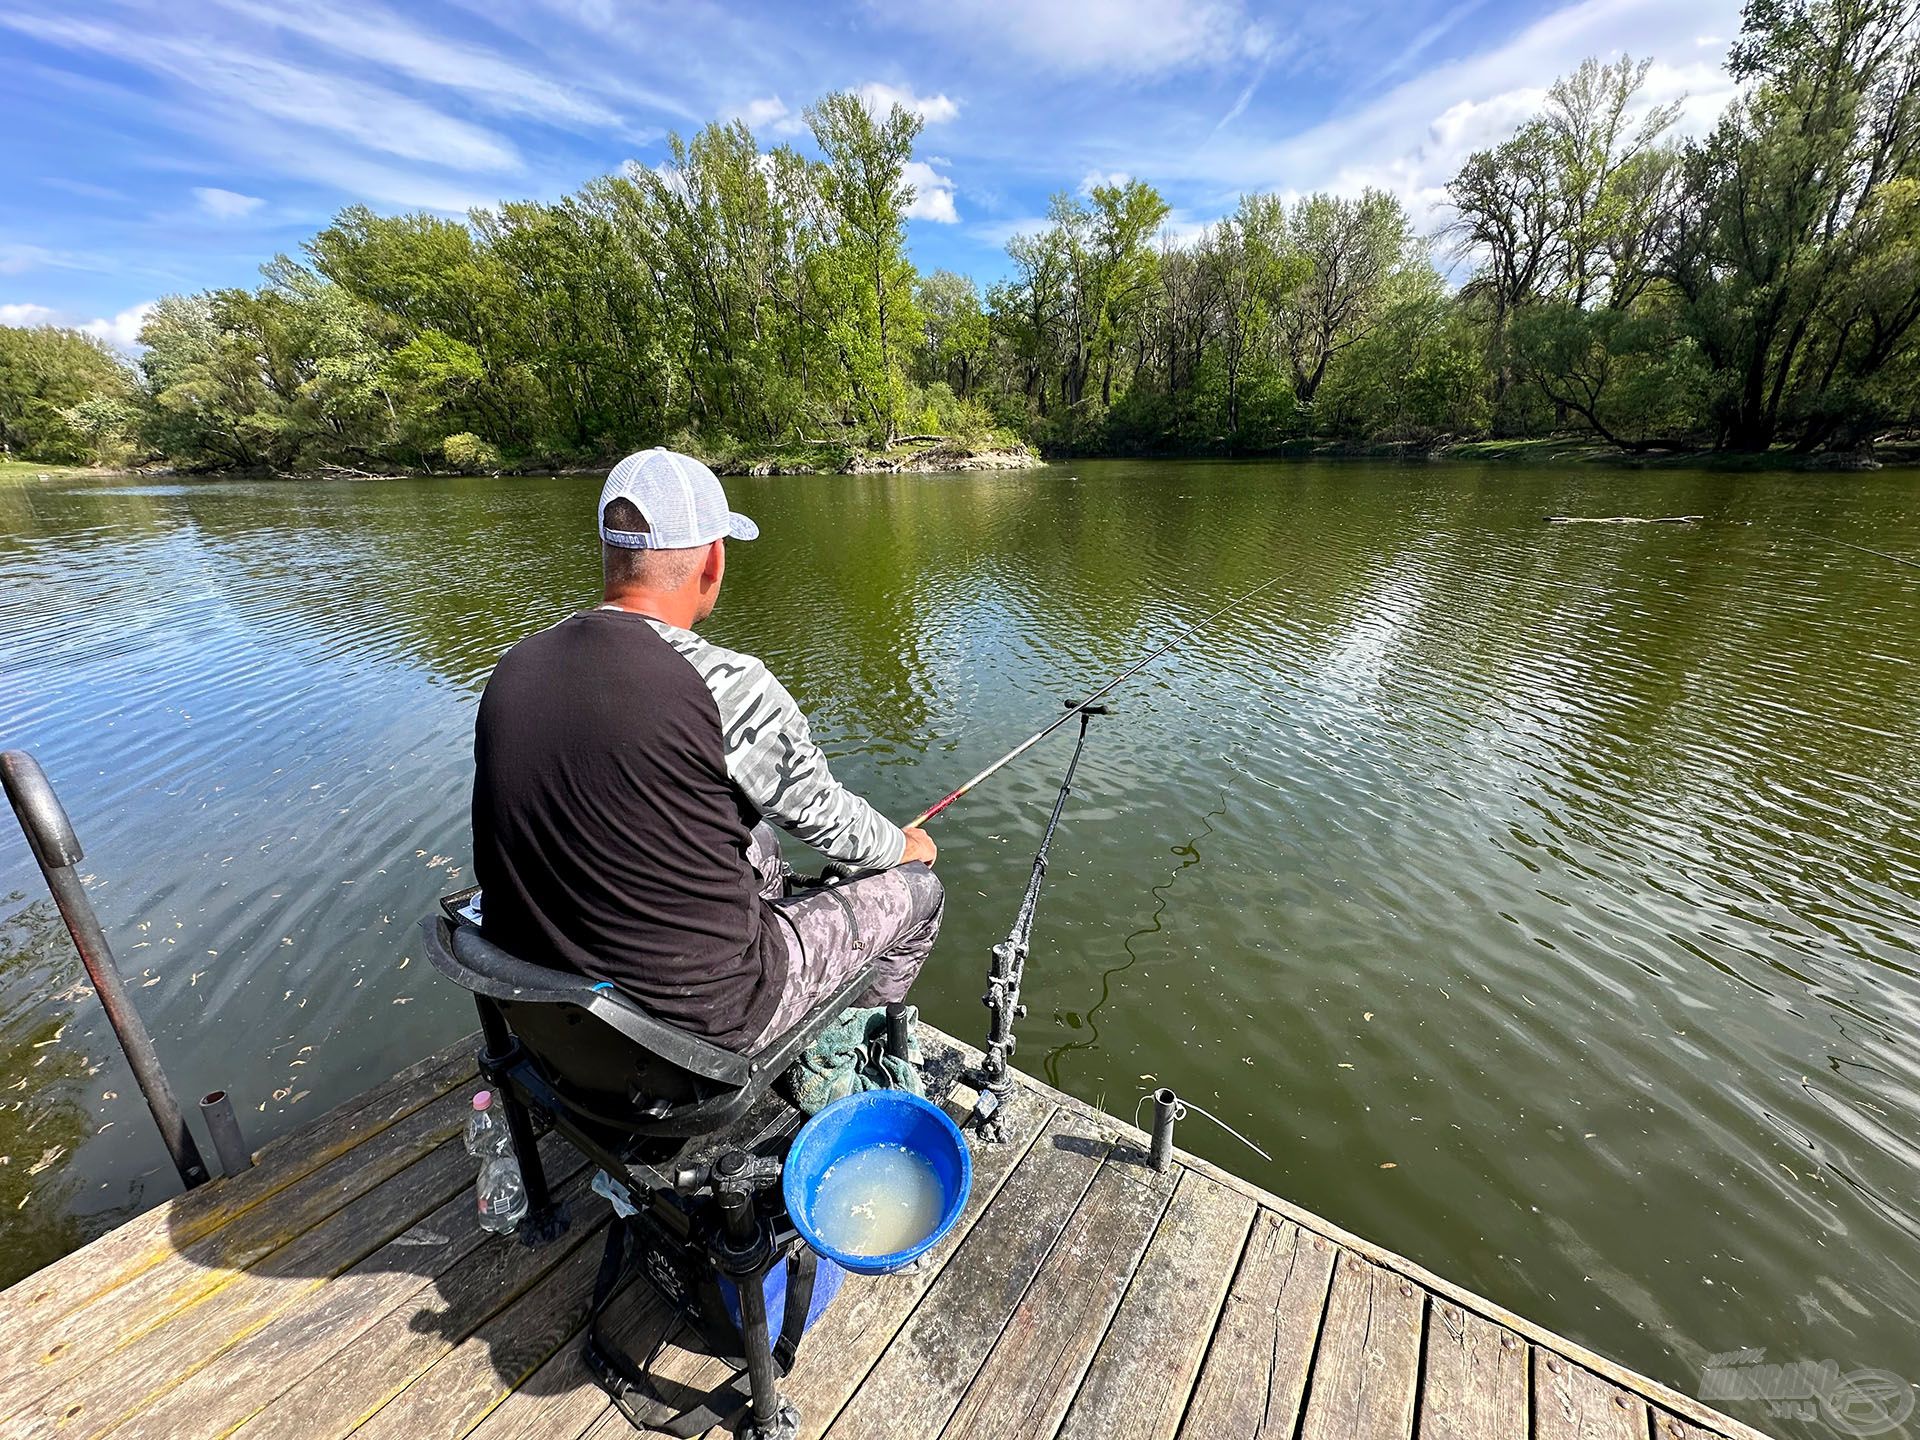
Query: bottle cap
482	1099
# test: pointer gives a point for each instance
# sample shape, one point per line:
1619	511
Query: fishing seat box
654	1107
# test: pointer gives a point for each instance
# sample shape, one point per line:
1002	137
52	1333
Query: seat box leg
544	1221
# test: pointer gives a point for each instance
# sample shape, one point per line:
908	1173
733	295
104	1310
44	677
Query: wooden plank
1034	1369
869	1310
1368	1363
82	1338
97	1397
1475	1383
264	1363
921	1376
387	1357
1687	1407
460	1387
1672	1427
1570	1402
1255	1372
220	1306
560	1400
1138	1385
158	1235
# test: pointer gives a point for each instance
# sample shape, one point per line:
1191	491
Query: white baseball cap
681	499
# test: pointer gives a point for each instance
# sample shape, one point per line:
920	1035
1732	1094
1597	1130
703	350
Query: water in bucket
877	1201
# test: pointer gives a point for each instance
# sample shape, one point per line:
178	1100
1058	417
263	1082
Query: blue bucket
876	1117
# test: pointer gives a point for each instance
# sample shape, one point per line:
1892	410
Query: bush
967	424
471	455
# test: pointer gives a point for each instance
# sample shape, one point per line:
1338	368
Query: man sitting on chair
624	772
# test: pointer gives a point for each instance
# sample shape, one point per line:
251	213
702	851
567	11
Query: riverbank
931	456
927	455
1580	450
1551	450
38	469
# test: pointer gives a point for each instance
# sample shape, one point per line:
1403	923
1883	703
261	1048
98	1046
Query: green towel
851	1056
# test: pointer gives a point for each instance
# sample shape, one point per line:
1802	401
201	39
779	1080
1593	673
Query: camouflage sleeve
772	758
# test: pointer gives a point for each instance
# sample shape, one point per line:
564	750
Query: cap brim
739	527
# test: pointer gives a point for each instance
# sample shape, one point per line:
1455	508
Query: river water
1544	899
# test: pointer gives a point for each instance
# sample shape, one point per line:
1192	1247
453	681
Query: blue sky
148	148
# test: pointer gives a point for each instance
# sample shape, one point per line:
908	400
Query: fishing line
1190	856
1081	706
1180	1107
1863	549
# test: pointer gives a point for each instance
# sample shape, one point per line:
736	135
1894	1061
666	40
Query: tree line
1753	288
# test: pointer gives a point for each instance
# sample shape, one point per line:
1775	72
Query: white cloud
933	194
1413	138
1129	36
17	259
1180	231
770	112
226	204
370	33
123	330
26	316
1102	177
880	98
253	86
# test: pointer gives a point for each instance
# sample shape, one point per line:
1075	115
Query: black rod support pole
1166	1110
1009	963
57	849
748	1258
899	1037
546	1219
216	1108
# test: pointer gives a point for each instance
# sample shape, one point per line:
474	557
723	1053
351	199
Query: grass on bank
16	470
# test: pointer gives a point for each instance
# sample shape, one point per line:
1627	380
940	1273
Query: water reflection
1571	870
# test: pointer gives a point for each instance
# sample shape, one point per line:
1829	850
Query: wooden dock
341	1287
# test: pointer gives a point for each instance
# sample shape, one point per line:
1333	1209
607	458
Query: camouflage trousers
887	919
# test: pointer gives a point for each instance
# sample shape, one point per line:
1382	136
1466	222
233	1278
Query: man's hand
920	846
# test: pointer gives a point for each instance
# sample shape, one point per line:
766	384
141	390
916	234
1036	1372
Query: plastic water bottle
487	1133
500	1194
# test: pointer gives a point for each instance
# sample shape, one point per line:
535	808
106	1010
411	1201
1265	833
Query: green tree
866	280
1794	248
1255	273
63	395
1350	251
954	331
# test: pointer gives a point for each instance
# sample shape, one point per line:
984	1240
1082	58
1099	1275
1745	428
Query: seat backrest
619	1070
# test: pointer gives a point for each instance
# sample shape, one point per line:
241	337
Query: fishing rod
1080	708
993	1080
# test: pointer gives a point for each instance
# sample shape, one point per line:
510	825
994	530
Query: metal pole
749	1256
899	1036
1009	963
546	1219
1166	1110
216	1108
57	849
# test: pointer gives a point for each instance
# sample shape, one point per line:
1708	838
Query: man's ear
714	566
